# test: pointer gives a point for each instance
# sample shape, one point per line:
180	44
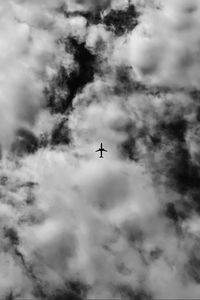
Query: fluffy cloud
29	36
126	226
164	48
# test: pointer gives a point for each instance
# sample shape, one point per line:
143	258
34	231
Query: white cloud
100	221
164	48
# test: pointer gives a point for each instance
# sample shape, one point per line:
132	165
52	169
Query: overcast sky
74	74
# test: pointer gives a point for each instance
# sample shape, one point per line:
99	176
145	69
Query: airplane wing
98	150
104	150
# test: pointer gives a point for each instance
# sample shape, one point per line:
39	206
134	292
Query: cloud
95	4
164	48
125	226
28	47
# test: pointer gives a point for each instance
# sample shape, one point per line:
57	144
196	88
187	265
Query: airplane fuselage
101	151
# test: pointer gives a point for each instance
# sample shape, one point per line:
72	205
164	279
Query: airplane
101	149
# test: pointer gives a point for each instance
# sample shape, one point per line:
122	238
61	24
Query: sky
74	74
